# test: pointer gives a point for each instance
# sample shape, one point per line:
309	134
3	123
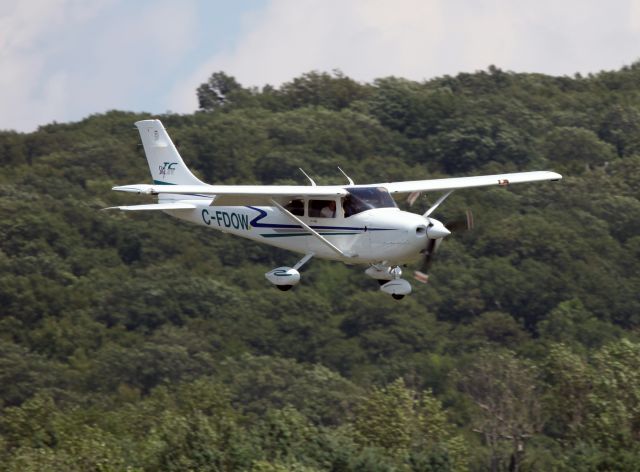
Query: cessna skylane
355	224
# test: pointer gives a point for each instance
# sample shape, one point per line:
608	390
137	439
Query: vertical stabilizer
165	163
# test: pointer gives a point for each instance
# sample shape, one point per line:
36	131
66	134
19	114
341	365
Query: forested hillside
139	342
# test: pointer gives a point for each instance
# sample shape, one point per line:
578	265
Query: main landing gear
389	280
286	277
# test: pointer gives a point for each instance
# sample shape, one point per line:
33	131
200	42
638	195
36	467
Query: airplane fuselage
376	235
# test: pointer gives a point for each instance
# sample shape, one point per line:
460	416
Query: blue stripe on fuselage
255	223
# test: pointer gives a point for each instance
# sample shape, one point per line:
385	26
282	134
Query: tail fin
165	163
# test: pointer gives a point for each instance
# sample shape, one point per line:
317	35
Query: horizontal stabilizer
155	206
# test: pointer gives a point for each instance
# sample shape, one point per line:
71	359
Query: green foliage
220	90
138	342
594	404
506	393
261	383
577	149
410	426
570	322
332	91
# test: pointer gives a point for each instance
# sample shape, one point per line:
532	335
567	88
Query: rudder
165	163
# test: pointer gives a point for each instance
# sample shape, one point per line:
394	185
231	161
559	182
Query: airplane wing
468	182
230	193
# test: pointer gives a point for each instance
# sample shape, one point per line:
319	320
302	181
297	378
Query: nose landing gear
390	281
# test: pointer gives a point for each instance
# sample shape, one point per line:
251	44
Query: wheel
284	288
397	296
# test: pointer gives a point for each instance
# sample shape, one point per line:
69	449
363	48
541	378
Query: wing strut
308	228
303	261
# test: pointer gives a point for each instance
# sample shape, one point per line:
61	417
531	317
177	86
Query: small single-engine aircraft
355	224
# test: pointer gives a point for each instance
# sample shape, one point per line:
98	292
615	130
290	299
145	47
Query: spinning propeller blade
465	223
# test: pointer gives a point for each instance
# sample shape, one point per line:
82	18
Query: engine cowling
283	276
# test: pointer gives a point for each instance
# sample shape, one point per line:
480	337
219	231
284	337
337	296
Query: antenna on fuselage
307	176
348	178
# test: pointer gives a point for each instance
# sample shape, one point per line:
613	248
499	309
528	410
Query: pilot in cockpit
348	205
329	211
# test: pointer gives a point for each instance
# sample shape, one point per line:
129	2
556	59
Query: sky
62	60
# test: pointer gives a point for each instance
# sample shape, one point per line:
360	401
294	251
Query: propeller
461	224
436	231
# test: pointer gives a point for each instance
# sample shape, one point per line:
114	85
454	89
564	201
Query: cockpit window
366	198
296	207
322	208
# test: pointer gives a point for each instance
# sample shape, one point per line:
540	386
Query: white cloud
634	15
29	91
65	59
421	39
130	56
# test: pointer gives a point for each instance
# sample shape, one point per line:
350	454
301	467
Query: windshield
366	198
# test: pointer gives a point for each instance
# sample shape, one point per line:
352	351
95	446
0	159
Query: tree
614	421
220	90
577	149
259	383
593	406
569	377
571	322
333	91
621	127
406	423
506	393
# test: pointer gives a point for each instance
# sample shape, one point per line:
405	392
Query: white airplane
355	224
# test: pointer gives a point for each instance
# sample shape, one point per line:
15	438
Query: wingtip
555	176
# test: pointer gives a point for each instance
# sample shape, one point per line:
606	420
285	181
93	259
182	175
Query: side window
322	208
349	206
296	207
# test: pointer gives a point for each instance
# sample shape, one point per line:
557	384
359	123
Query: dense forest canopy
142	343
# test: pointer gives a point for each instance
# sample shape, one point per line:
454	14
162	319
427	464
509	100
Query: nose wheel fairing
389	278
397	288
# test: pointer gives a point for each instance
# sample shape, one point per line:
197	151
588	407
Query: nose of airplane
436	230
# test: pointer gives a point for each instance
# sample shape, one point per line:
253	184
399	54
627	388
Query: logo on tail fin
168	168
